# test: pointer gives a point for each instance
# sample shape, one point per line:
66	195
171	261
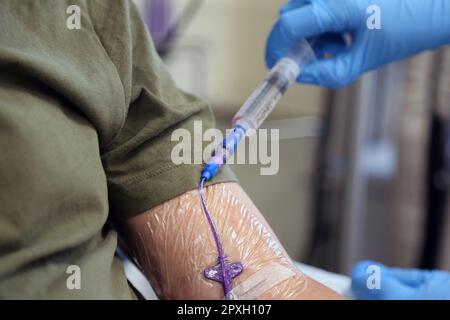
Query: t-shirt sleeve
138	164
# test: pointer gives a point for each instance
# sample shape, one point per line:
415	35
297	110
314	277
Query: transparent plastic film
176	245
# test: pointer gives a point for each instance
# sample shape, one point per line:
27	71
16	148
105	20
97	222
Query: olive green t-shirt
86	117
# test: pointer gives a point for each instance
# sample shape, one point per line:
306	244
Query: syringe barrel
265	98
260	104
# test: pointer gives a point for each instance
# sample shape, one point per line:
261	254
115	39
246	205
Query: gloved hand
407	27
400	284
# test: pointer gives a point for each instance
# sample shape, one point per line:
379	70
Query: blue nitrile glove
399	284
407	27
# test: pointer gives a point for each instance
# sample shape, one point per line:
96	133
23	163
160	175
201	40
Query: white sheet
337	282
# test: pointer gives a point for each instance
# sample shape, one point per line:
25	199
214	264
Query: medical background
364	171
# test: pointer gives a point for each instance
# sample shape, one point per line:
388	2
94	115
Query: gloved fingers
410	277
292	26
329	44
308	21
293	4
280	40
333	73
307	18
364	284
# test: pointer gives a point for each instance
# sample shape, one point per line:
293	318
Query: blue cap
210	171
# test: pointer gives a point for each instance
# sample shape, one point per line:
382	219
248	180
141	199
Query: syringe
260	104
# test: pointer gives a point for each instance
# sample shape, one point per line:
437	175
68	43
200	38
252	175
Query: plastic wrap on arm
173	244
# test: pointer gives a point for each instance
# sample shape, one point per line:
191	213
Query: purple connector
224	272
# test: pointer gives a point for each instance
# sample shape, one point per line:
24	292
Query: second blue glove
399	284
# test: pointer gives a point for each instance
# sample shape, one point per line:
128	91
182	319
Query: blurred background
364	171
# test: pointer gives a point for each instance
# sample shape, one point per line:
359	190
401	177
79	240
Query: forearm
174	245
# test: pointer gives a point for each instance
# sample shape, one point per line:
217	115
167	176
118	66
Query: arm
173	244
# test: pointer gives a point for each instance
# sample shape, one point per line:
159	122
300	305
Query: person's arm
173	244
381	31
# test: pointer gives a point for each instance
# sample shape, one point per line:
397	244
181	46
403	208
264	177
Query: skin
173	244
